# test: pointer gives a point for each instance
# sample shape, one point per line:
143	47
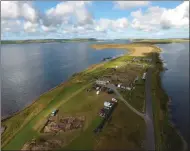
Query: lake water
28	70
175	81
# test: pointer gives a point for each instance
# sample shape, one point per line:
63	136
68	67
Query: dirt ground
56	125
140	51
136	49
42	144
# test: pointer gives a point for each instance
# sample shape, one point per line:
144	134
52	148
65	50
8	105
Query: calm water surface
28	70
175	81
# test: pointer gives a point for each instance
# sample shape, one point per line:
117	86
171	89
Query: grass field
119	133
136	97
14	135
125	130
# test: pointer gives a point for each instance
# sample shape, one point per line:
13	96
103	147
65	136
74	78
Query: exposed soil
64	124
43	144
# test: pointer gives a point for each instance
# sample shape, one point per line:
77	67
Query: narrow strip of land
150	143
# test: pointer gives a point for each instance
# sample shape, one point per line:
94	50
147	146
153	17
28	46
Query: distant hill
46	40
161	41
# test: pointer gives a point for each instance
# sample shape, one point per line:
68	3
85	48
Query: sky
94	19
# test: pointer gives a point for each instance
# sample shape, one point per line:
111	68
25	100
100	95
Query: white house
99	82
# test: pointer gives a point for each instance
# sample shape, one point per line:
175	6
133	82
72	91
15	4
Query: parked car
54	112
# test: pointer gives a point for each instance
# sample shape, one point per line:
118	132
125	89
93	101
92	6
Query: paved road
148	116
111	86
150	138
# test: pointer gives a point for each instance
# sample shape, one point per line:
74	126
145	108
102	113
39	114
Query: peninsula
116	104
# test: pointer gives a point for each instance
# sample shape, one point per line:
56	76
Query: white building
99	82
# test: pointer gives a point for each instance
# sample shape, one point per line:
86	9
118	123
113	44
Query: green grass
126	130
136	97
18	121
17	141
166	136
86	140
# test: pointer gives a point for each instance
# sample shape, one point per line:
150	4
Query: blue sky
94	19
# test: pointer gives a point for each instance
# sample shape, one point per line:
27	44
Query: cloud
108	24
124	5
177	17
48	29
30	27
18	16
18	9
156	18
147	21
75	19
68	12
11	26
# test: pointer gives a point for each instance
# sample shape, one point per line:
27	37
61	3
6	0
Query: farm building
99	82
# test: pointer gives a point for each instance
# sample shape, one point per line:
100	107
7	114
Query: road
150	138
111	86
148	116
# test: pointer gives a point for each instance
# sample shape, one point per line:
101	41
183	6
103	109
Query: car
114	100
96	130
110	91
54	112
